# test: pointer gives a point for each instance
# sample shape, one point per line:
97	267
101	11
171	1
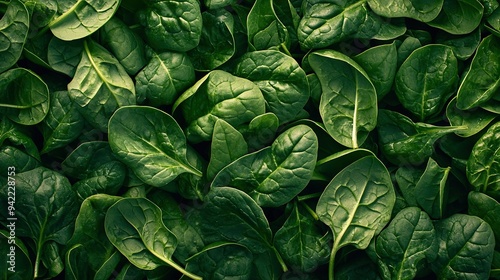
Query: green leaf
80	18
274	175
482	81
126	45
261	131
426	79
459	16
16	135
302	242
151	143
14	26
475	120
20	267
219	95
217	43
326	168
100	85
407	241
24	95
380	64
164	77
11	156
172	25
466	246
357	204
488	209
280	78
404	142
48	212
96	168
425	11
430	190
348	103
135	227
64	56
326	23
265	30
222	260
228	145
463	46
63	123
484	163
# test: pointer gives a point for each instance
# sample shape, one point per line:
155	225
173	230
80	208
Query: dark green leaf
265	30
488	209
459	16
430	190
421	10
64	56
475	120
14	30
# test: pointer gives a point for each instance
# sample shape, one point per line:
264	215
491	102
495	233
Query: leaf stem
183	271
308	209
331	263
308	196
280	260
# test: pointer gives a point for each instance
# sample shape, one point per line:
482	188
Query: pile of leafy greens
253	139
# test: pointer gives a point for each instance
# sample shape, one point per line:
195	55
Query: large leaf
483	166
475	120
425	11
426	79
219	95
14	30
274	175
280	78
100	85
407	241
135	227
64	56
46	208
151	143
482	81
357	204
327	22
466	246
348	103
172	25
80	18
488	209
24	96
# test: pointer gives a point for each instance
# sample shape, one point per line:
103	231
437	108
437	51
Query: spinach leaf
24	95
164	77
79	18
301	241
274	175
326	23
421	10
265	30
100	85
280	78
222	260
126	45
228	145
459	16
90	248
135	227
63	123
484	163
217	43
488	209
430	190
463	46
403	141
426	80
48	211
380	64
459	235
218	95
475	120
347	104
152	145
483	79
172	25
356	204
407	241
16	135
64	56
261	131
11	156
14	29
23	267
96	168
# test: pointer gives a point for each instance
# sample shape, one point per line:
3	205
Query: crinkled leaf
64	56
100	85
274	175
16	135
14	26
488	209
425	11
348	103
151	143
265	30
459	16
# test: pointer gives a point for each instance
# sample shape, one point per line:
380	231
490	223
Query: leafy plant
267	139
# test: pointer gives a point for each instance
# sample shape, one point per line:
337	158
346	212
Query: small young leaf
430	190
